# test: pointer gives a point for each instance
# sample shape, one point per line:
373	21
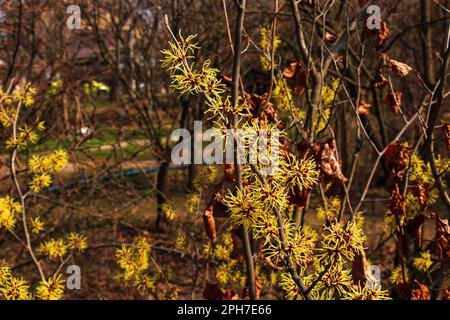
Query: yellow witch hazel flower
40	182
134	259
366	293
37	225
5	273
15	289
54	248
397	275
52	163
12	288
329	91
26	95
423	262
266	46
300	173
50	289
341	243
8	211
43	166
168	211
77	241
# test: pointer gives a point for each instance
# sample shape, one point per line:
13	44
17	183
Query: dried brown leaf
364	108
381	81
399	68
420	291
329	163
394	102
383	35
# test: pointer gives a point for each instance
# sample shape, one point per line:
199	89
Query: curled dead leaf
399	68
397	205
364	108
210	223
421	193
329	37
290	71
383	34
381	81
414	229
229	172
328	160
446	295
394	102
420	291
360	272
296	71
442	237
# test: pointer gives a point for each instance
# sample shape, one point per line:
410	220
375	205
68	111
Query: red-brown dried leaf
420	291
261	108
210	223
414	229
381	81
446	129
421	193
446	294
229	172
296	71
399	68
394	102
397	206
360	272
383	35
364	108
329	37
290	71
442	237
329	163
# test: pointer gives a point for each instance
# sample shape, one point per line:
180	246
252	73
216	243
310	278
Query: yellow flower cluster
423	261
50	289
340	244
134	262
262	201
266	47
43	166
9	208
37	225
168	211
11	287
25	95
57	248
397	275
